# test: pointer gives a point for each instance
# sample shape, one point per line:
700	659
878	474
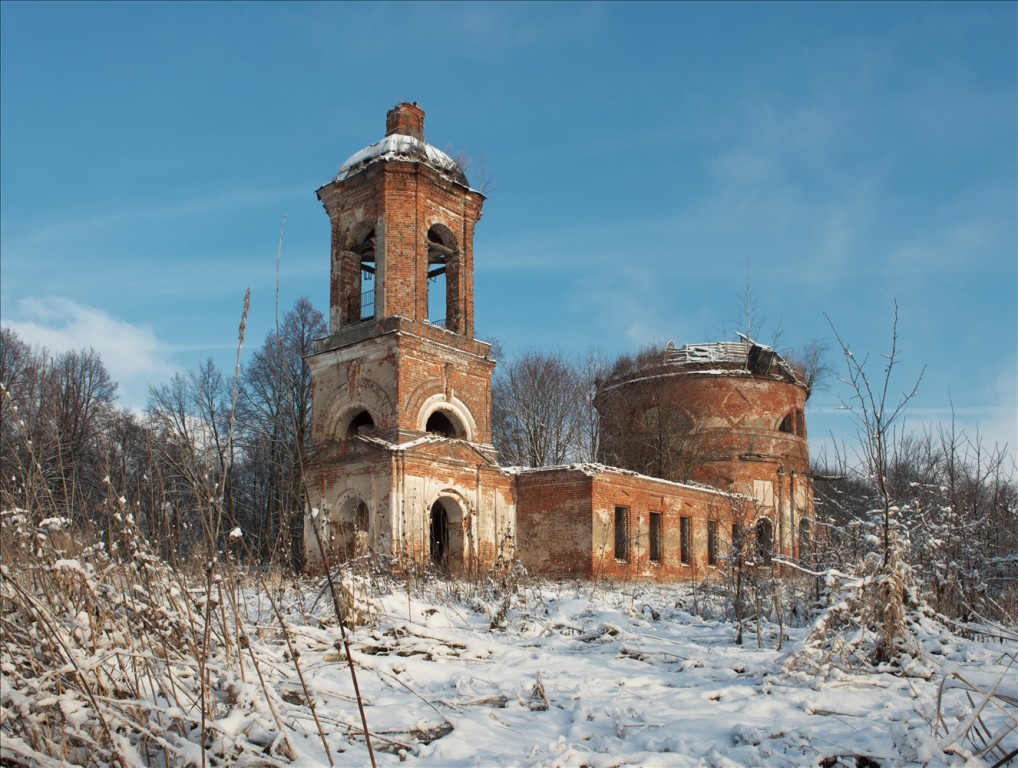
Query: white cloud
133	355
999	427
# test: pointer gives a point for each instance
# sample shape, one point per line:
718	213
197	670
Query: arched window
764	540
787	424
360	424
443	424
800	423
365	249
441	256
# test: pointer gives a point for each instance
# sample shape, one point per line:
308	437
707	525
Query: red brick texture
566	519
728	428
407	119
401	201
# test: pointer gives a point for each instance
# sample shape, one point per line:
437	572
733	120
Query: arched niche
346	419
805	539
350	527
360	423
444	424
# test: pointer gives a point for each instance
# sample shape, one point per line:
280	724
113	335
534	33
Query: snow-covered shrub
867	626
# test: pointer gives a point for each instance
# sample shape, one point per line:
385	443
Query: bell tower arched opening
442	271
366	272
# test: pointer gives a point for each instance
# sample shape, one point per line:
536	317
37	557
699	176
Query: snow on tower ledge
404	141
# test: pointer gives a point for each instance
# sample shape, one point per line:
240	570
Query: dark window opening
366	275
685	540
786	424
621	533
440	424
439	534
655	537
441	253
800	423
764	540
712	542
360	424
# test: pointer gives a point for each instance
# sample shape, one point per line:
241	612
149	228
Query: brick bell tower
402	294
401	362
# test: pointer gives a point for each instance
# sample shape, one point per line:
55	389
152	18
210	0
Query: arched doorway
439	538
445	534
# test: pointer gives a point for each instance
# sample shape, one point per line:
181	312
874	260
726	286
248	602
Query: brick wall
721	428
566	519
553	514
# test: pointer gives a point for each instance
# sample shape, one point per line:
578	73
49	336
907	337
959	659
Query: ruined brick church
404	463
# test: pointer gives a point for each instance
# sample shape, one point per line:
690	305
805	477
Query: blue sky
645	160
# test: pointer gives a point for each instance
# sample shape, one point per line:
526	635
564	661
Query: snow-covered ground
452	673
596	675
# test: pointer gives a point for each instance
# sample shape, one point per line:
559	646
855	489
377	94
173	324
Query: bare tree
810	361
22	371
190	418
592	369
275	414
54	412
534	410
875	412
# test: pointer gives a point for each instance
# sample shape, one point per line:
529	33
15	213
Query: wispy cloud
60	229
133	354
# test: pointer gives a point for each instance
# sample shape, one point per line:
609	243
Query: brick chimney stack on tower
405	119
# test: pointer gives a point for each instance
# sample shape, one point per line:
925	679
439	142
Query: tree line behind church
216	463
210	454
